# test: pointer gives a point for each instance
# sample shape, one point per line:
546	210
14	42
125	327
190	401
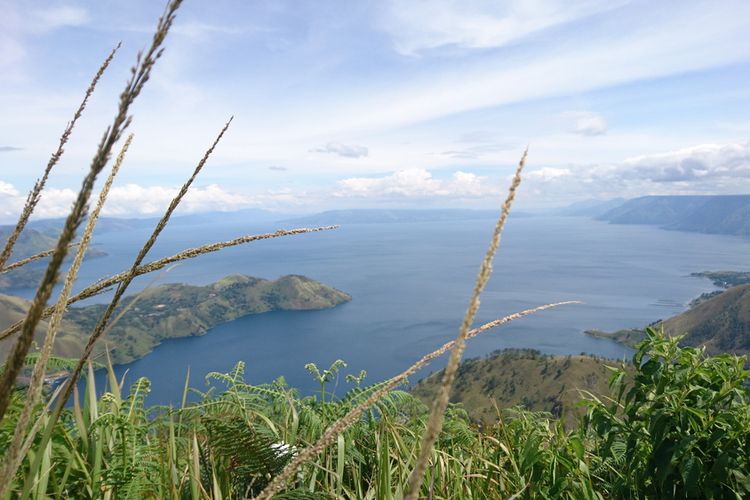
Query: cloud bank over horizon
342	104
701	169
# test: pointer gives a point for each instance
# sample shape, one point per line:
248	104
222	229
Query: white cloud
695	164
701	169
54	17
587	123
345	150
127	201
417	26
548	174
413	183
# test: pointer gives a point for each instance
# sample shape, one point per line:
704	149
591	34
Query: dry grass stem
13	457
101	325
29	260
435	423
102	285
36	192
330	435
139	76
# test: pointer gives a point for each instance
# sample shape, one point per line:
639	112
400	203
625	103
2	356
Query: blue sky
385	103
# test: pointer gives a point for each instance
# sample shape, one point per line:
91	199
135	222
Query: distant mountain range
714	214
591	208
371	216
32	242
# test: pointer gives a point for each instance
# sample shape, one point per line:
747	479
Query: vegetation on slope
678	427
725	279
526	378
720	323
178	310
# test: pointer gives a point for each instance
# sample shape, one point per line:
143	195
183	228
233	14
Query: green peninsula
178	310
725	279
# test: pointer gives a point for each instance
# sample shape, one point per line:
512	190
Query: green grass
526	378
677	426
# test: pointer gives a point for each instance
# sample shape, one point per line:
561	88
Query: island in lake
175	310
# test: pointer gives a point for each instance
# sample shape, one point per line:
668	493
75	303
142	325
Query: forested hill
525	377
177	310
720	322
704	214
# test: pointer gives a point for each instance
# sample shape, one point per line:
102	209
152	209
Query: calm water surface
410	284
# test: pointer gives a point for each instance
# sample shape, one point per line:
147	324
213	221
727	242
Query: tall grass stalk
332	432
36	192
101	325
190	253
30	259
139	76
435	423
13	457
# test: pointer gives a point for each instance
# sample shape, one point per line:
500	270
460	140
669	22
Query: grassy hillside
704	214
721	323
509	378
178	310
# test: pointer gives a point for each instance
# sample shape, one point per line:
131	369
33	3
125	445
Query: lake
410	284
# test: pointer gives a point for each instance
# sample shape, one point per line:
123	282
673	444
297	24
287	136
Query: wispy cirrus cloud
52	17
477	24
345	150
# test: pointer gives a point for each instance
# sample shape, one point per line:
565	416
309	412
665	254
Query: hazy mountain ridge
373	216
177	310
714	214
31	242
590	208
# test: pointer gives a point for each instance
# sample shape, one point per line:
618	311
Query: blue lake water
410	284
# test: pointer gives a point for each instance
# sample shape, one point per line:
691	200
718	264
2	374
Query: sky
392	104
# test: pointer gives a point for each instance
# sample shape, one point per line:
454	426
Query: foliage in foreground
680	429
